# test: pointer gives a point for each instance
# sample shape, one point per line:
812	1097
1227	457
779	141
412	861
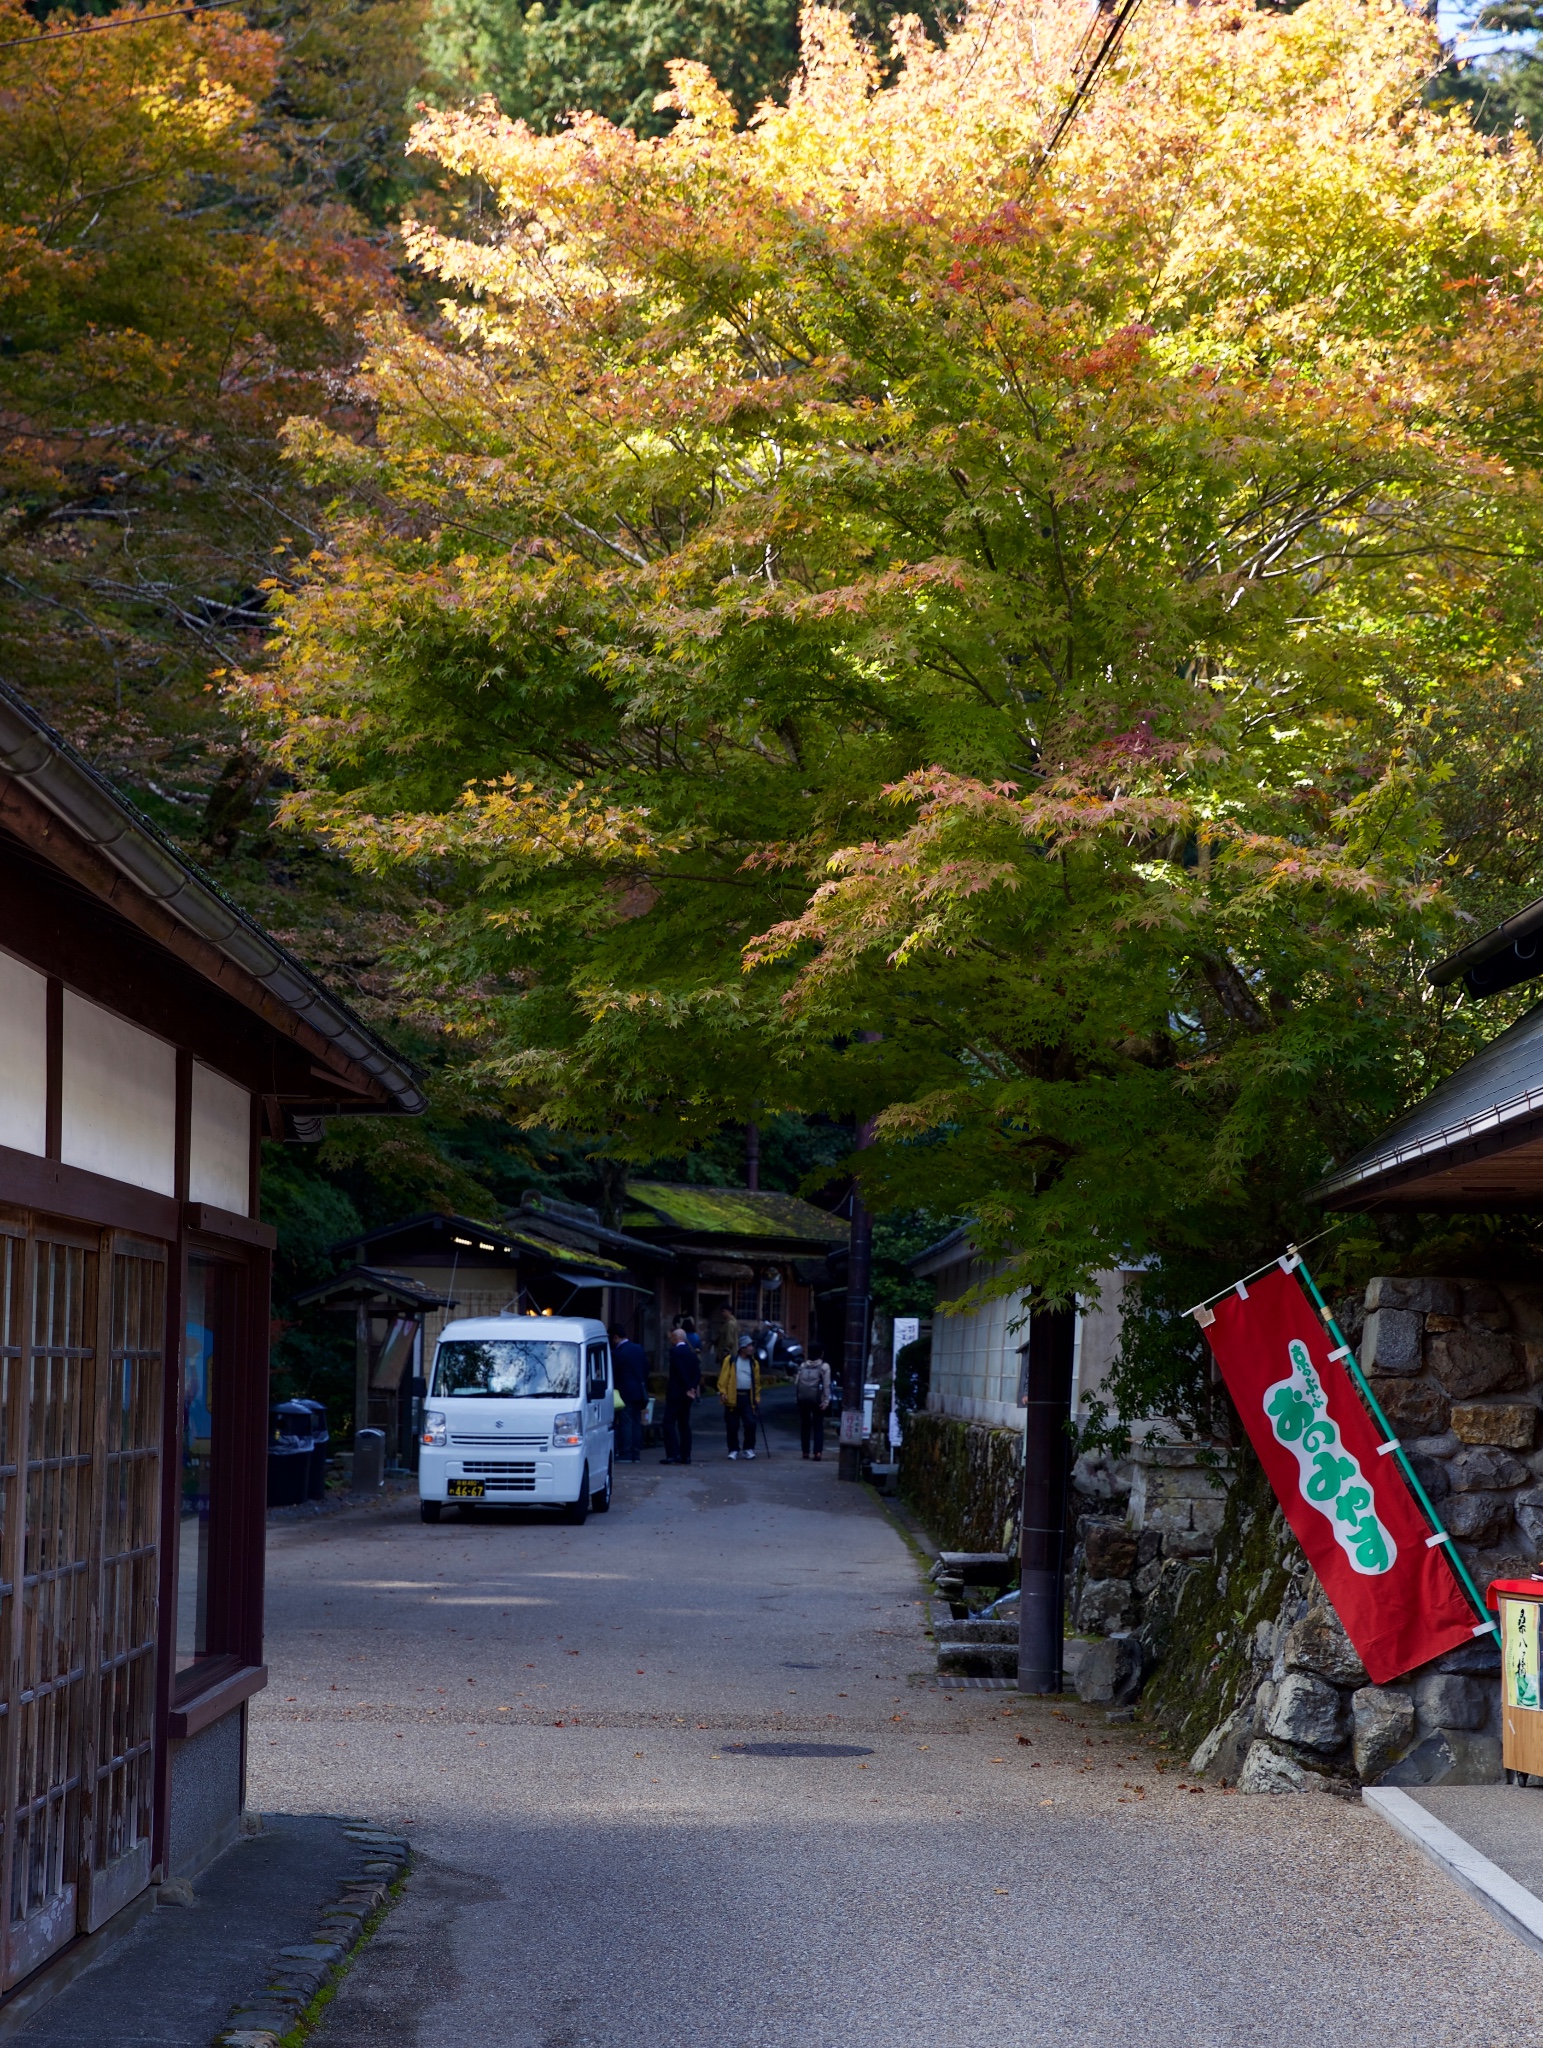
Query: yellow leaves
494	824
697	96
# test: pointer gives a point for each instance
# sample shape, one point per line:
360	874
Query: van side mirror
418	1388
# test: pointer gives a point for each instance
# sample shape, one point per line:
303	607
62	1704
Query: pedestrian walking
811	1390
723	1334
739	1389
681	1393
629	1369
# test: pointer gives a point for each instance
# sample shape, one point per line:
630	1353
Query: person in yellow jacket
739	1389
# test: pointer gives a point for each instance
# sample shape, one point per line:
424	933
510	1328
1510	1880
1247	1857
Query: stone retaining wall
1189	1581
964	1480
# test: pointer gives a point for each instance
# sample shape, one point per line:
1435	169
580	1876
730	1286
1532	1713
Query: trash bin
369	1460
289	1454
321	1445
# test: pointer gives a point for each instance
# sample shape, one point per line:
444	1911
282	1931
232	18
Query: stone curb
275	2013
1516	1908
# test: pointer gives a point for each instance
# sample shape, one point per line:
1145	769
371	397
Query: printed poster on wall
1362	1529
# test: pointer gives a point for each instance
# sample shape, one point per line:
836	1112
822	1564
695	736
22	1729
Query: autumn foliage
842	575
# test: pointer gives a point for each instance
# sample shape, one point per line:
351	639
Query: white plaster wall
220	1142
118	1098
1098	1338
975	1357
23	1057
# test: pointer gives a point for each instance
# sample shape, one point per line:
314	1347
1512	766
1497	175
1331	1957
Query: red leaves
1114	360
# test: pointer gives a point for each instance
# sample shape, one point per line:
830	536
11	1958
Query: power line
97	28
1090	60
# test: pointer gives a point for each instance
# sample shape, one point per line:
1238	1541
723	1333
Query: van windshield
507	1368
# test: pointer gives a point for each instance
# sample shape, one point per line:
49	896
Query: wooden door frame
240	1454
106	1890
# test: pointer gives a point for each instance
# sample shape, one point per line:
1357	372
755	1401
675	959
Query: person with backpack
811	1390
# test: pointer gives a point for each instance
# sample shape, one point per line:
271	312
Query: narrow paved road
566	1722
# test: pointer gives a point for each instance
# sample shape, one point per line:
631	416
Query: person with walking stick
739	1389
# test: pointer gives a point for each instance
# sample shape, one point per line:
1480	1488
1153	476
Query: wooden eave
1502	1170
167	952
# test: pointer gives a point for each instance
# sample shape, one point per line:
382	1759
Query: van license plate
464	1489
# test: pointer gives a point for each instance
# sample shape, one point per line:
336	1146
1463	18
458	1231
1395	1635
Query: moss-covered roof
730	1213
566	1255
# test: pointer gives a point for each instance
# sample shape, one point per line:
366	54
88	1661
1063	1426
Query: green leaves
837	623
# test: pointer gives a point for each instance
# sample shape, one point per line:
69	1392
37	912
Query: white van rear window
506	1368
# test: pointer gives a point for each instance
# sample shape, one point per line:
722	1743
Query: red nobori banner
1364	1533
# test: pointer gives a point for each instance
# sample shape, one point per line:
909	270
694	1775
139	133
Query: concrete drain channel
794	1749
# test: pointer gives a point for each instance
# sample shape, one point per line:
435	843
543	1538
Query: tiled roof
63	781
1499	1087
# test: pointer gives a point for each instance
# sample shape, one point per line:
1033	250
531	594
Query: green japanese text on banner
1348	1506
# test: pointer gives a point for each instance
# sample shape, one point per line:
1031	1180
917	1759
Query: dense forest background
180	273
199	221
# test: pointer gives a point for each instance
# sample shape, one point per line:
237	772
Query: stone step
977	1567
979	1660
975	1630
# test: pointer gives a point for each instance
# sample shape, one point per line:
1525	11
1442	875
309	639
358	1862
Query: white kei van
518	1413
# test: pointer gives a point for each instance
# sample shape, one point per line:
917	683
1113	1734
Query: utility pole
1046	1401
854	1356
753	1158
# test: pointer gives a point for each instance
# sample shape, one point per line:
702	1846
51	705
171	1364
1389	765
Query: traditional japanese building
758	1257
1476	1141
977	1357
150	1037
547	1256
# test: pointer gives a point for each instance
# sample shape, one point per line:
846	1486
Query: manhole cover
794	1749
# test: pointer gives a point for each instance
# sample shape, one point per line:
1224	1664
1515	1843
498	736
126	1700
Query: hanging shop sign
1382	1558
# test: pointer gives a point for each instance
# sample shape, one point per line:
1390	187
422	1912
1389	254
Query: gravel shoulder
551	1715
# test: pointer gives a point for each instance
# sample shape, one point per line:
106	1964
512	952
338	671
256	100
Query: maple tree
181	267
847	616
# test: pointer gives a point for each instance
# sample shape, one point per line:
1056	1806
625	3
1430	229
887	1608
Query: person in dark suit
629	1368
685	1387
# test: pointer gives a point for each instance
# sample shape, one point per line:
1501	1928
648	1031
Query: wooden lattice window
80	1425
130	1565
48	1557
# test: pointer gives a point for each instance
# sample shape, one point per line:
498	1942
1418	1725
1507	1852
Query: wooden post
854	1357
1046	1449
361	1367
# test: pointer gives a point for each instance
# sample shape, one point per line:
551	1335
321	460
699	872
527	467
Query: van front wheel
431	1510
578	1512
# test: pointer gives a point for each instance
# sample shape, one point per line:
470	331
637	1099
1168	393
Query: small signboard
852	1431
1521	1682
